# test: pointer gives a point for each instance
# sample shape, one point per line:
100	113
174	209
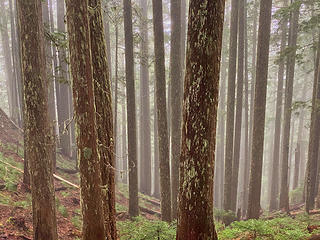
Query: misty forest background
202	117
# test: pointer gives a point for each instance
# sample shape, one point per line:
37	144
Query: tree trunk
64	88
124	145
83	93
284	187
230	105
176	99
259	109
238	123
156	148
274	190
163	138
104	118
195	217
131	111
145	132
38	142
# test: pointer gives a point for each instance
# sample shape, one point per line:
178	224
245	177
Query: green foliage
77	222
141	229
61	208
276	229
296	196
227	217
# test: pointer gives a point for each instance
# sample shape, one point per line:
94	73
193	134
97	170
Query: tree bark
259	109
83	95
131	111
38	138
195	217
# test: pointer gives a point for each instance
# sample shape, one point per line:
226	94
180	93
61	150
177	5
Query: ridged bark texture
259	109
195	216
104	118
38	140
160	76
83	95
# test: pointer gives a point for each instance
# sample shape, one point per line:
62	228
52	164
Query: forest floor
16	212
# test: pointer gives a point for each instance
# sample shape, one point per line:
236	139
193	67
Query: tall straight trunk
253	80
195	217
64	88
160	78
314	139
83	93
106	25
230	105
38	142
156	148
183	32
238	123
104	116
246	108
259	109
50	80
145	132
176	99
274	190
284	187
124	145
290	168
131	111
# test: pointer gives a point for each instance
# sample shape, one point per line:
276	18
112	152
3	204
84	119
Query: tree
176	99
195	216
238	123
259	109
145	133
83	93
160	78
104	118
38	140
131	108
230	105
293	34
274	190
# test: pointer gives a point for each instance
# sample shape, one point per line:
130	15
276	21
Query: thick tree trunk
145	133
83	93
124	145
274	190
195	217
259	109
230	105
160	78
156	148
176	99
284	187
238	122
104	116
131	111
38	140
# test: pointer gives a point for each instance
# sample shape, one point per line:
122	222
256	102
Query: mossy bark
195	215
38	140
131	111
104	118
162	120
83	95
259	109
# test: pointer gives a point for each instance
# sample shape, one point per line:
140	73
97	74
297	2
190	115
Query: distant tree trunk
246	107
131	111
230	105
116	90
183	39
156	149
124	145
50	81
274	190
195	217
145	132
104	116
176	99
259	109
314	139
38	142
238	122
161	111
63	96
83	93
284	187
